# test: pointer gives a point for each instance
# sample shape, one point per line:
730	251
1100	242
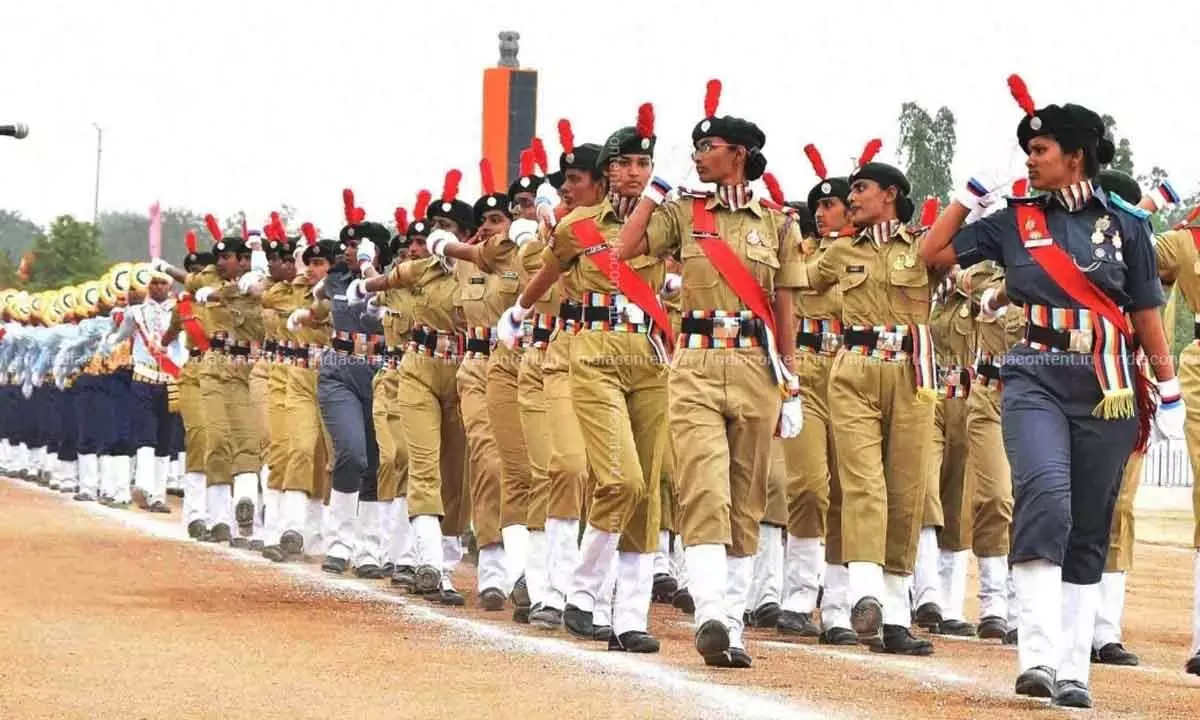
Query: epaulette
1120	202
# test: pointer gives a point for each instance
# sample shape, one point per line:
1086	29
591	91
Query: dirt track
114	614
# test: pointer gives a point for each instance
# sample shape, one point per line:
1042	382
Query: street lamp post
96	193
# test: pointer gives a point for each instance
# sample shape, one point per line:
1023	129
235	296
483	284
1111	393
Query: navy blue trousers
1066	464
150	424
345	395
68	431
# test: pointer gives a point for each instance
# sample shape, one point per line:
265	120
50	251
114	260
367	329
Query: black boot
899	640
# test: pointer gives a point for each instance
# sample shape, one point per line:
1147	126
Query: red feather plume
539	154
773	188
1020	188
526	162
485	176
566	137
929	211
277	230
645	120
1020	93
814	157
213	228
712	97
401	220
422	204
450	187
309	232
348	205
358	216
189	241
1192	216
870	151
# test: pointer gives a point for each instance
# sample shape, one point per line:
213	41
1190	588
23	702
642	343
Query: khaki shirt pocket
910	288
698	272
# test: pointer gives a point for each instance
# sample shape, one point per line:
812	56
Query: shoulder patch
1120	202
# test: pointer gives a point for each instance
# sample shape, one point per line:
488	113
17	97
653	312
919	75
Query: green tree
927	144
1123	157
125	235
68	253
16	233
8	271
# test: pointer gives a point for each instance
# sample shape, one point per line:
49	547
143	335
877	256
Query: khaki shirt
814	304
207	277
398	318
581	275
434	293
529	262
764	239
996	337
952	319
278	302
238	315
1179	264
881	283
489	284
320	329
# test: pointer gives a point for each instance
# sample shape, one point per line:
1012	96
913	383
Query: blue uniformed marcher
345	395
1075	400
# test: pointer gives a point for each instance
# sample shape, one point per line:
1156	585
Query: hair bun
904	208
1105	151
756	165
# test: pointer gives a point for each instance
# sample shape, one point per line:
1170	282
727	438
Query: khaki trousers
278	425
231	421
535	428
504	414
809	457
308	448
723	409
389	436
481	444
427	396
260	400
987	464
949	490
1120	540
1189	382
191	410
883	431
776	512
567	466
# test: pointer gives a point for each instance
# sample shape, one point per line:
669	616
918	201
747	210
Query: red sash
191	324
1060	266
735	273
628	283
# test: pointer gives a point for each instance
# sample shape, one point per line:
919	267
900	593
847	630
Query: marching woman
1077	262
724	401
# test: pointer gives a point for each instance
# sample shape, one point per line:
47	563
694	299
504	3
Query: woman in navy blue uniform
1075	404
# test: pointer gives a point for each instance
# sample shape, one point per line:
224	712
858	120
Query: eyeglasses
705	146
520	204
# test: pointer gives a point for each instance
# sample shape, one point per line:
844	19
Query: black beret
399	244
461	213
625	141
525	184
583	157
556	179
1071	125
495	201
732	130
372	231
1121	184
884	174
231	245
200	258
327	249
836	187
418	229
804	218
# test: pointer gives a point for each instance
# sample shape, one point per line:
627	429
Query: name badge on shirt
856	268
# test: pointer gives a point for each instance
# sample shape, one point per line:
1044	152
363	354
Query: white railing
1167	464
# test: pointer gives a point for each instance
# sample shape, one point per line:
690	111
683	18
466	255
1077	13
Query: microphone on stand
14	131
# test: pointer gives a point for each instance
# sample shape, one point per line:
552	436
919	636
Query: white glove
374	309
1164	196
254	242
297	319
1171	411
298	254
987	311
203	294
366	253
27	390
672	284
509	327
791	413
437	241
989	204
250	281
522	231
356	293
979	189
673	166
159	264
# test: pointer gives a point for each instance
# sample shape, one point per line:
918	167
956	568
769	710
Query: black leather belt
749	327
478	345
1057	339
216	343
989	372
239	350
541	335
572	311
270	346
870	339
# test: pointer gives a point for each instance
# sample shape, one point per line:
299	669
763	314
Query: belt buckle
726	328
361	346
1079	341
633	314
890	341
830	342
446	345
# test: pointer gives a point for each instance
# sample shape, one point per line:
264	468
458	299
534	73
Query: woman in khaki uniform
724	400
618	383
882	388
427	393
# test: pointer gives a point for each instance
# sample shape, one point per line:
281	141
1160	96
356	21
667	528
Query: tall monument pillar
509	111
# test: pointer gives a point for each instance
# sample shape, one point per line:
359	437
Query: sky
242	105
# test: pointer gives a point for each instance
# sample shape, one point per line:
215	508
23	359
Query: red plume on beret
814	157
213	228
645	121
566	137
1020	188
189	241
401	220
485	177
278	232
358	216
870	151
450	187
526	162
712	97
1020	93
309	232
539	154
422	204
929	211
348	205
773	188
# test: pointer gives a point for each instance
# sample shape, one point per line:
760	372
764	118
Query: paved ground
115	614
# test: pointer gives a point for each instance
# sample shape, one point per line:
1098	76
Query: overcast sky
228	105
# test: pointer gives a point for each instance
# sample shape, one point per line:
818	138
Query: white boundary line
713	699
